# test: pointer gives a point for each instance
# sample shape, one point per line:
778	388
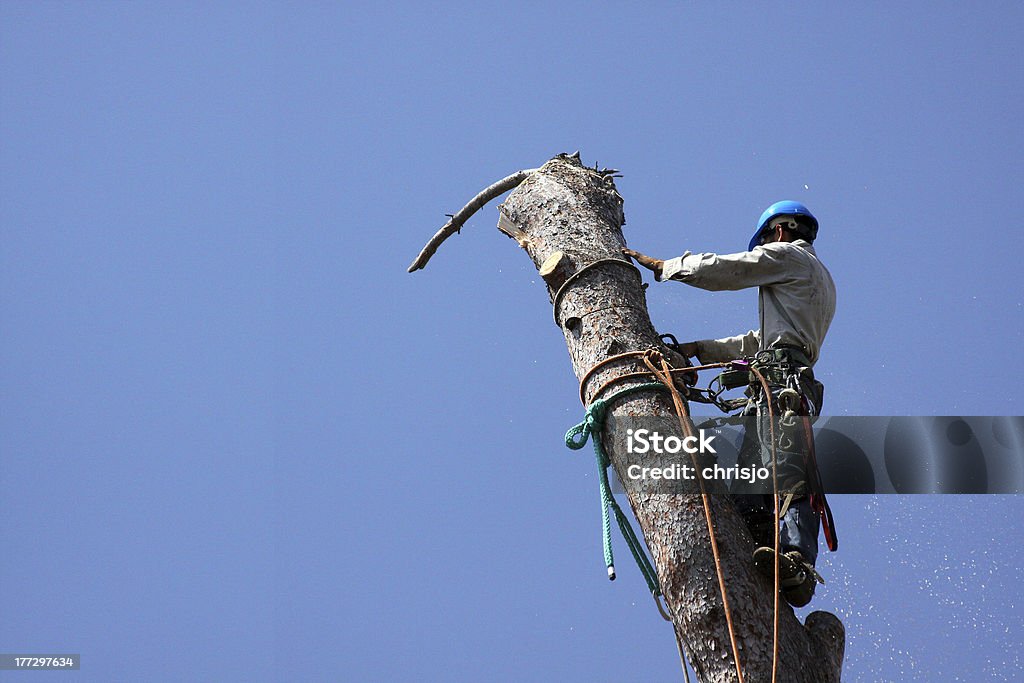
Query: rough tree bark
566	216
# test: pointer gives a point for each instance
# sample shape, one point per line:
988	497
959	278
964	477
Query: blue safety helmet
785	208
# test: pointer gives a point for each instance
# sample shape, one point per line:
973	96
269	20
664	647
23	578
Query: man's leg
798	535
800	530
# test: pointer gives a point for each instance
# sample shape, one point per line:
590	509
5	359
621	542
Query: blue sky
239	442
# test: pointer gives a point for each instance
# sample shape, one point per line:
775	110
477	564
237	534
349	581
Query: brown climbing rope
667	375
775	498
632	375
664	374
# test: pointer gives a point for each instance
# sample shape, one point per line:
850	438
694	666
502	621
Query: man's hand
688	349
647	262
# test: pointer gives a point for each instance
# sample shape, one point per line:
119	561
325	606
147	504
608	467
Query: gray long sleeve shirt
796	298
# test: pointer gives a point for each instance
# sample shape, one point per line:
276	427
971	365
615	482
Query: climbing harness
795	407
761	369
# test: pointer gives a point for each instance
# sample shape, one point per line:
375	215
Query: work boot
797	577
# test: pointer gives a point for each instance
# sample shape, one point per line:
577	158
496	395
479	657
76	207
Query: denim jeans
799	527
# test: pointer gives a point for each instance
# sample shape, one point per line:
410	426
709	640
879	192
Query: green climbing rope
576	438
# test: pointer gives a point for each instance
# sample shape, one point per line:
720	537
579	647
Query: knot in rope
592	424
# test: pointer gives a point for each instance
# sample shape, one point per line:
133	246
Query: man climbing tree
727	619
797	300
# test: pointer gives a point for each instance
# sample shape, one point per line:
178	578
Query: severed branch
456	221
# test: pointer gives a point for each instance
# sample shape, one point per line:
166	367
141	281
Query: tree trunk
568	208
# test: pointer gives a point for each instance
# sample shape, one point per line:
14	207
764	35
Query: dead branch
459	219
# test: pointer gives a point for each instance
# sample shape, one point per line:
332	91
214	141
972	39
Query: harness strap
819	503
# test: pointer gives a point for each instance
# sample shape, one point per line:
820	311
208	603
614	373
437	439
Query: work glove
648	262
688	349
